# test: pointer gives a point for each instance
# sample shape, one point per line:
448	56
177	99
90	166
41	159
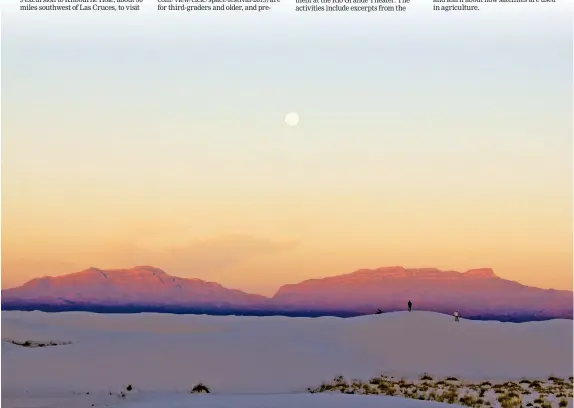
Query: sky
425	140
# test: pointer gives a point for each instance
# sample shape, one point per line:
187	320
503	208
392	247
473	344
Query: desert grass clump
451	395
510	400
376	381
468	400
356	384
433	396
452	390
200	388
368	390
387	388
324	387
512	386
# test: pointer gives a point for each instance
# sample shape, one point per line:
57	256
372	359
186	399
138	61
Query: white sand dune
281	401
181	400
255	355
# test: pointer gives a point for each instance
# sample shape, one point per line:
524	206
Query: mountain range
476	293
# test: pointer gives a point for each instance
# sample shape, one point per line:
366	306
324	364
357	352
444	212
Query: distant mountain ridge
476	293
137	285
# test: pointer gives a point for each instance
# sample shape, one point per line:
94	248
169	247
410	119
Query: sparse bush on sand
426	377
510	400
200	388
31	343
550	393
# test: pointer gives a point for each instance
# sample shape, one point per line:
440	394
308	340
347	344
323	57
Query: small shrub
339	379
129	387
563	403
451	396
387	389
510	401
200	388
468	400
426	377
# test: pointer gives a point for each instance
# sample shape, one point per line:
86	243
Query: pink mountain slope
138	285
477	291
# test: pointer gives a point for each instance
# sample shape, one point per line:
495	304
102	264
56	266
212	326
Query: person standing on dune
456	316
410	305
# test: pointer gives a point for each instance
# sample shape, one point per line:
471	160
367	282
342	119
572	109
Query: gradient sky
425	140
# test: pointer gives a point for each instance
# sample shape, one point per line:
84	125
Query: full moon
292	119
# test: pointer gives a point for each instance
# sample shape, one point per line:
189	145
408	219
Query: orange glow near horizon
421	169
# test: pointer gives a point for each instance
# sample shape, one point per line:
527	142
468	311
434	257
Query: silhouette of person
456	316
410	305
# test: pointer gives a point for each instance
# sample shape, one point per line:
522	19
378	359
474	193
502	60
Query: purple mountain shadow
475	293
143	285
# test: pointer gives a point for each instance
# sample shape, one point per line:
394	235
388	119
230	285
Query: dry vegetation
552	392
31	343
200	388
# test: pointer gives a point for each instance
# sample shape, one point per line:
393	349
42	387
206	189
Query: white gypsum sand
164	355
